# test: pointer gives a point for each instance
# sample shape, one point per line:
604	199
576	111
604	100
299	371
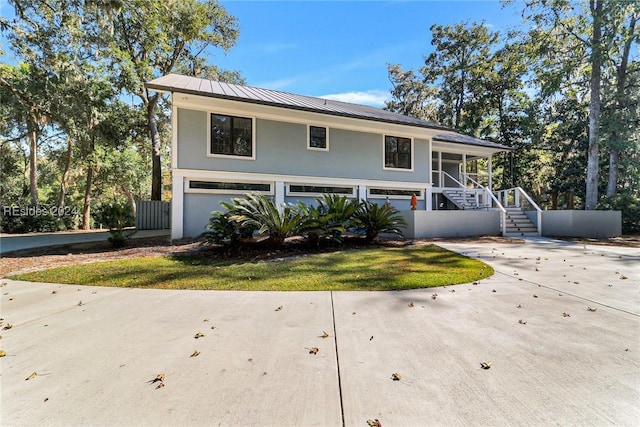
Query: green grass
364	269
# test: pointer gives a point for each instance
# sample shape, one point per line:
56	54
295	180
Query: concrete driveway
553	362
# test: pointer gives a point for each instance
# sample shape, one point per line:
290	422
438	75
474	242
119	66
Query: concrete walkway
95	350
14	242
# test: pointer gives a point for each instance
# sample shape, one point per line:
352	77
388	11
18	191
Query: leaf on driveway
566	315
324	335
32	376
623	277
485	365
278	309
591	309
522	322
396	376
158	378
374	423
206	319
198	335
160	385
3	353
434	296
8	326
195	353
410	304
535	296
314	350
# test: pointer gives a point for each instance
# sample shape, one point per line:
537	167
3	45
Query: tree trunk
621	77
591	195
65	175
130	199
32	129
86	210
554	201
156	174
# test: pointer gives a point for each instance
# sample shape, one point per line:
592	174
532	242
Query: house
228	140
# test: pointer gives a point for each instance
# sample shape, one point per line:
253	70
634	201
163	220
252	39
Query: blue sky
340	49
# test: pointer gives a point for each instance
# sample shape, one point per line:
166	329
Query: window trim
288	191
309	147
231	156
419	193
188	189
384	153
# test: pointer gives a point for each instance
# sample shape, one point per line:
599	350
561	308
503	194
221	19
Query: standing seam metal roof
215	89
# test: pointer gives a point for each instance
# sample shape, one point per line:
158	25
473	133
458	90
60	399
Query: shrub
259	212
330	219
374	219
117	218
223	231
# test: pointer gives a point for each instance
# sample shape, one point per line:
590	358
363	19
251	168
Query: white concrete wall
572	223
454	223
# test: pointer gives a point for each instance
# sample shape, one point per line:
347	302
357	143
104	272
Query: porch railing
516	197
489	199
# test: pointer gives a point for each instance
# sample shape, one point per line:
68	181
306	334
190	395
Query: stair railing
513	197
487	195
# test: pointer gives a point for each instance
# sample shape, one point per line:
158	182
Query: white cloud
280	84
374	97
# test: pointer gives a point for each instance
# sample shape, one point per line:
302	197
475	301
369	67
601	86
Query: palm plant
375	219
259	212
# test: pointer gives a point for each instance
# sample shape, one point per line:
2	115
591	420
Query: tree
152	38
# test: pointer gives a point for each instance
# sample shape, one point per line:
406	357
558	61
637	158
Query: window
397	152
231	136
318	138
244	187
394	193
320	189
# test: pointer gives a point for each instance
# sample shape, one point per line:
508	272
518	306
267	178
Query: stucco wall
197	211
281	148
573	223
427	224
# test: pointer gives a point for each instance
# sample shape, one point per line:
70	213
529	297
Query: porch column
463	178
428	196
177	206
490	172
279	194
440	174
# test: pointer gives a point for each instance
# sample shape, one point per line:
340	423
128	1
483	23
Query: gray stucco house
229	140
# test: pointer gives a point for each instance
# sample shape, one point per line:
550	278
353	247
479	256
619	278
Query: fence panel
153	215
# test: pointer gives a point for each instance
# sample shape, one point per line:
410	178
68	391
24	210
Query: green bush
629	206
118	218
374	219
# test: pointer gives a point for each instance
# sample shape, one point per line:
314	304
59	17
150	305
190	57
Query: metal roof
214	89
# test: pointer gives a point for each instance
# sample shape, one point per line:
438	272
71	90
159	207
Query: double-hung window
231	136
318	138
397	152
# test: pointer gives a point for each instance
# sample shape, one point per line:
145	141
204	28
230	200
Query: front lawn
348	270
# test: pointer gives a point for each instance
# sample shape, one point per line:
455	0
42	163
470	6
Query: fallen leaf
158	378
371	338
2	353
493	290
535	296
160	385
434	296
452	290
591	309
485	365
198	335
46	399
519	306
475	283
374	423
396	377
8	326
80	304
314	350
206	319
278	309
54	292
353	314
566	315
324	335
410	304
623	277
195	353
30	377
522	322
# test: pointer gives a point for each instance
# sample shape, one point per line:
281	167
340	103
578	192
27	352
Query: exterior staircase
518	224
462	199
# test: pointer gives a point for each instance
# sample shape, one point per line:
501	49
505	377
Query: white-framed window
398	153
231	136
313	190
227	187
393	193
317	138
